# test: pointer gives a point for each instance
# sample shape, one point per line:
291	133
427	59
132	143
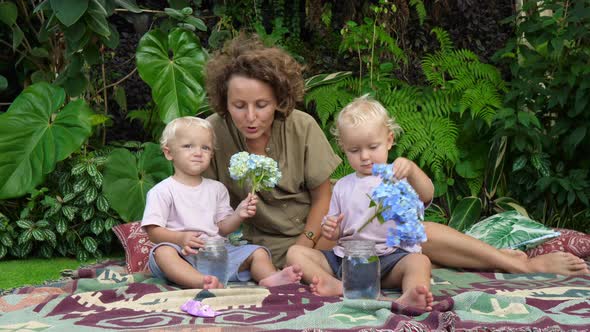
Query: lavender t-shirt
179	207
351	197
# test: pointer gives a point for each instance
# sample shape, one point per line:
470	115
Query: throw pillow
571	241
512	230
137	246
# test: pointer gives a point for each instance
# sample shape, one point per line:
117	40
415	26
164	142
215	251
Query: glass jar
361	271
212	259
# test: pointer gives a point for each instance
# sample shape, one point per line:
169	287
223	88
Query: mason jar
361	271
212	259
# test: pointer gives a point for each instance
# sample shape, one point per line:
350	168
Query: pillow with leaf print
511	229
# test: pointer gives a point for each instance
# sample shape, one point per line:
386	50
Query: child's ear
167	153
390	140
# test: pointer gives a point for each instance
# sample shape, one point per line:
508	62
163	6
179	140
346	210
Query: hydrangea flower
259	172
398	203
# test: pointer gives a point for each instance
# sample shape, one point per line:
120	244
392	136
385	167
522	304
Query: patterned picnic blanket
105	298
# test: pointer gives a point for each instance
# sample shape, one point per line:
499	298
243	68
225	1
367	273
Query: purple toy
197	308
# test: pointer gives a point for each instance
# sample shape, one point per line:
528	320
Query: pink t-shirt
179	207
351	197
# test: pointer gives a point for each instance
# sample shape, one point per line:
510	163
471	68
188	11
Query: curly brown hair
247	56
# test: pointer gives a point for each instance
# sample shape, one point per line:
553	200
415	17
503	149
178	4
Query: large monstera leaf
172	66
36	133
128	177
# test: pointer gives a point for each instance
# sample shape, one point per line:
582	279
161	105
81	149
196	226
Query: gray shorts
236	255
386	262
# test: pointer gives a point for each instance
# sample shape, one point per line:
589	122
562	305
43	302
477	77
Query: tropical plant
130	174
38	131
73	219
172	65
546	122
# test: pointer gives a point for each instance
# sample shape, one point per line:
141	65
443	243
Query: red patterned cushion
570	241
137	246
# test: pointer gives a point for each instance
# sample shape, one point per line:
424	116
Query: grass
35	271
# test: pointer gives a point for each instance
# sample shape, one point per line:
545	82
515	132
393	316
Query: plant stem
367	222
118	82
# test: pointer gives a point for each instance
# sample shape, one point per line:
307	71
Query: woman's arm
320	204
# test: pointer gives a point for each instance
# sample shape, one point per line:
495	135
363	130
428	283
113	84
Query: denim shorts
236	255
386	262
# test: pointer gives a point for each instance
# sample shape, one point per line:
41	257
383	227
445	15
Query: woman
253	90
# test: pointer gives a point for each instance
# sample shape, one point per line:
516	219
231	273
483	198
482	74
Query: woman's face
252	106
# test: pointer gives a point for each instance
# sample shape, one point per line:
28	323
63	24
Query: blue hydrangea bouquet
259	172
396	202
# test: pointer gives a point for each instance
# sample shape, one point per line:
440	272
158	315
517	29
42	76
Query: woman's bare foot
419	297
211	282
514	253
559	263
290	274
326	286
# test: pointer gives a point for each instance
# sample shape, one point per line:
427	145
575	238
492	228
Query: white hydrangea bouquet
259	172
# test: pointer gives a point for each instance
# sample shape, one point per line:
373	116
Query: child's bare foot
558	262
211	282
326	286
514	253
419	297
290	274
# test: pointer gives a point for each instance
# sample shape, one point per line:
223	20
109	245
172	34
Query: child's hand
247	207
331	227
191	242
403	168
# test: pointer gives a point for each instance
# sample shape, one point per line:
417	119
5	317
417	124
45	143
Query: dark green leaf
172	66
197	22
46	251
466	213
34	136
40	52
90	194
69	211
3	83
130	5
25	237
69	197
87	213
112	41
38	234
96	19
6	240
24	223
81	185
61	225
89	243
67	11
127	179
102	204
3	251
8	13
42	223
17	37
79	169
96	226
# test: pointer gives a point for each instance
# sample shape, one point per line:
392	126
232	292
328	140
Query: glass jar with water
212	259
361	271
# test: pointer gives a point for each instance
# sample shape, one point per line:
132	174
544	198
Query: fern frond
444	39
400	100
437	102
482	101
475	185
420	9
329	99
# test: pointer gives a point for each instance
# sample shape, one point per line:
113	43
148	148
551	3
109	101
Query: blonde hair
363	110
169	132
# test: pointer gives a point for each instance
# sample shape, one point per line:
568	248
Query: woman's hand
247	208
331	227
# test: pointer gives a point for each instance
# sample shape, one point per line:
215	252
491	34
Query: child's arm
189	241
246	209
405	168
